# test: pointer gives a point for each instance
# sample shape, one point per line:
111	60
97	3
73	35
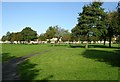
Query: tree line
27	34
93	24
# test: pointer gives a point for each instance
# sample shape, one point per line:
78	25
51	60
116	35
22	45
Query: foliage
76	31
93	24
61	32
92	19
57	32
113	25
16	37
51	31
28	34
6	37
66	37
42	37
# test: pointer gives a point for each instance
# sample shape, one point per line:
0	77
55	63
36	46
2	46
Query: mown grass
65	62
68	63
10	51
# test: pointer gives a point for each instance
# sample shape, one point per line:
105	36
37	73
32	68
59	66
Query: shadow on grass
63	45
10	68
90	46
76	46
112	58
100	46
19	68
27	70
6	57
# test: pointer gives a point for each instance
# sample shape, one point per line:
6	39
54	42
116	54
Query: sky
40	15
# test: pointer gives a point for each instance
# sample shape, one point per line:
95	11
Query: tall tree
91	21
113	25
76	32
118	18
118	10
28	34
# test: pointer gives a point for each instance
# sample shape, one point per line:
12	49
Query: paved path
9	68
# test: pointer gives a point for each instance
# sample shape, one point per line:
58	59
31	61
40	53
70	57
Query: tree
118	10
62	34
91	22
113	25
66	37
51	31
42	37
55	32
76	32
28	34
118	18
16	37
12	37
6	37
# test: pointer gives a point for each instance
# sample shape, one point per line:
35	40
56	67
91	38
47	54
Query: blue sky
40	15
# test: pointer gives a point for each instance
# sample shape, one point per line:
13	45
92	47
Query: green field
63	62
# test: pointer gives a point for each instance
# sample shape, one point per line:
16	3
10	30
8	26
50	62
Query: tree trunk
86	46
104	40
110	38
20	42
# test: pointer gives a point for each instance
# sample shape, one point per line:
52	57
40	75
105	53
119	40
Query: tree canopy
55	32
28	34
91	22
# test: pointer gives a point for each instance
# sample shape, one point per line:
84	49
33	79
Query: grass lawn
66	63
10	51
